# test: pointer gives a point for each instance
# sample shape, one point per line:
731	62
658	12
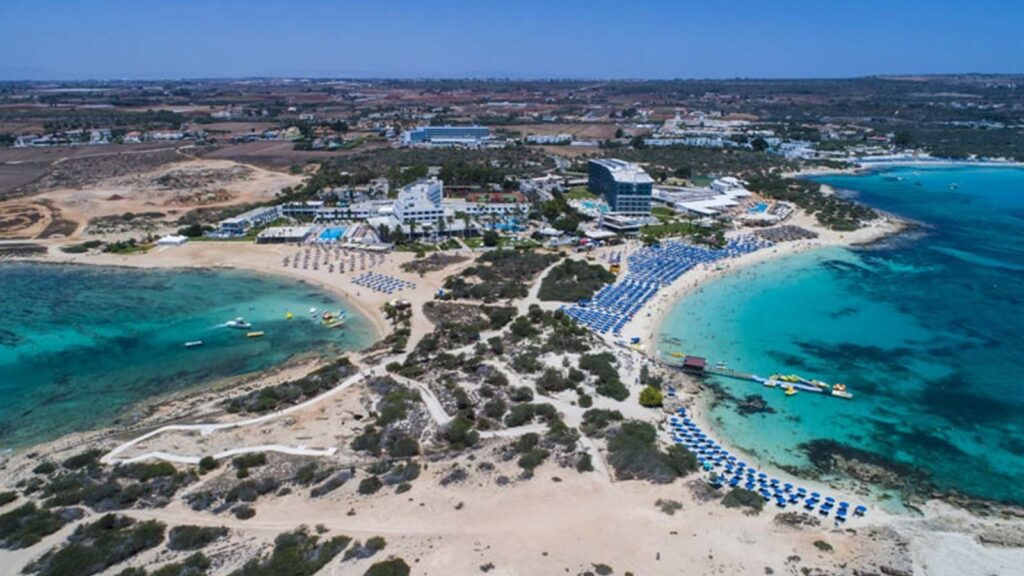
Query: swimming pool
759	208
592	205
332	233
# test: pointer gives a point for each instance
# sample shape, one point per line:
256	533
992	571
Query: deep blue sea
81	344
926	329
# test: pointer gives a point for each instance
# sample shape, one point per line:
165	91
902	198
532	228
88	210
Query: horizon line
499	78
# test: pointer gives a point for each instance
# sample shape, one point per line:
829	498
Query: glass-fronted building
623	185
446	135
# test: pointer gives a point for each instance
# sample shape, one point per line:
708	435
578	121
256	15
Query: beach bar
694	364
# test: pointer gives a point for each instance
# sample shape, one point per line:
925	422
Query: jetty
790	384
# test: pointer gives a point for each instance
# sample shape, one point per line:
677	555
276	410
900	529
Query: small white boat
238	323
193	343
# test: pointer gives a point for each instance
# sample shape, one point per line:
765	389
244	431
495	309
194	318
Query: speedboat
239	323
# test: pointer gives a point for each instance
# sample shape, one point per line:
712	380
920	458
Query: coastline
203	400
647	322
168	407
196	257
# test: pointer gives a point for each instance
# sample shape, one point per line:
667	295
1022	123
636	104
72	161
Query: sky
597	39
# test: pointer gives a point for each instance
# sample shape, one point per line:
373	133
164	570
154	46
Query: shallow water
925	329
80	344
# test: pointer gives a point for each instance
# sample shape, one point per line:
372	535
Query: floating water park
790	384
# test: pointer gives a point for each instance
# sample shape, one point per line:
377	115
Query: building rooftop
624	171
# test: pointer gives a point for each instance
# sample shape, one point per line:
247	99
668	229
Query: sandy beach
647	322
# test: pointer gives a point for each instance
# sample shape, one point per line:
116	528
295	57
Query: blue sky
75	39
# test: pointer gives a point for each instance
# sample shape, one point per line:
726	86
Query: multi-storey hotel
446	135
623	185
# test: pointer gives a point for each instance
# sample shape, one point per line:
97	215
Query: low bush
460	434
331	485
392	567
596	420
94	547
369	485
243	511
573	280
85	459
651	397
252	460
207	463
26	525
194	537
669	507
633	452
742	498
195	565
46	467
295	554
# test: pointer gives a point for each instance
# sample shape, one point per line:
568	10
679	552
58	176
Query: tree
759	144
619	133
651	397
490	238
903	139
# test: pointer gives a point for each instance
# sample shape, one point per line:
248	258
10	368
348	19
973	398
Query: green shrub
460	434
669	507
370	485
521	394
596	420
376	543
742	498
295	554
8	497
143	471
207	463
194	537
252	460
519	415
585	463
243	511
573	280
634	454
650	397
195	565
94	547
401	445
681	460
495	408
85	459
823	546
533	458
392	567
552	381
613	389
27	525
46	467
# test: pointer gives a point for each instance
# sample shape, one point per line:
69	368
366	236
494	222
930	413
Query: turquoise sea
926	329
79	345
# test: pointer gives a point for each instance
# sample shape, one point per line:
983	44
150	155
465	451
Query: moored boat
193	343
